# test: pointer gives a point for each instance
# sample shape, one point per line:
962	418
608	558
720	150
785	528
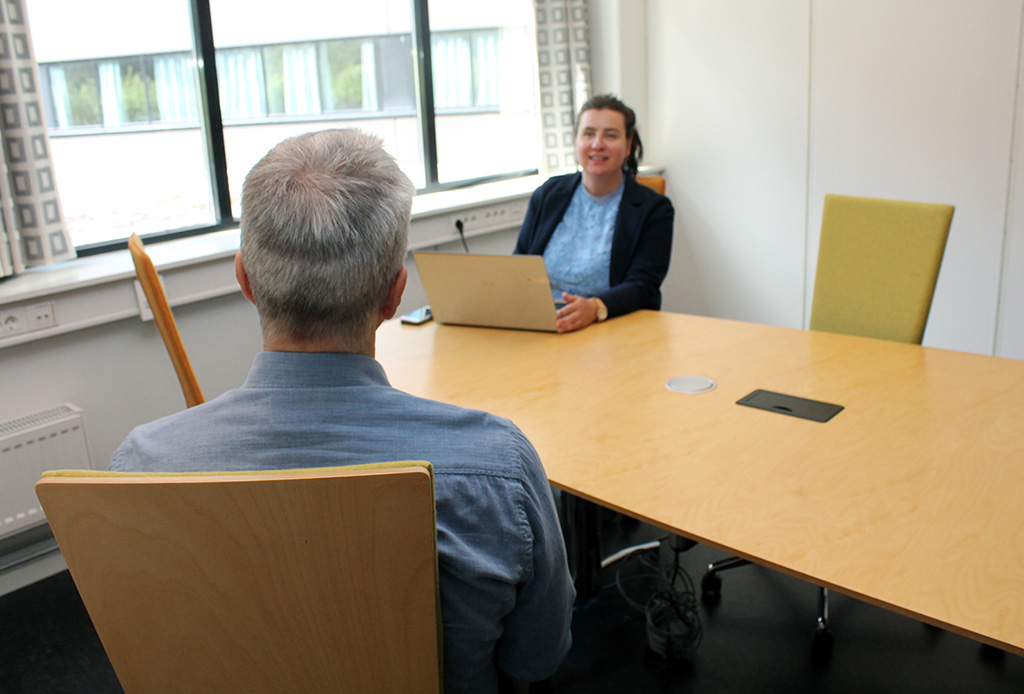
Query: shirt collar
314	370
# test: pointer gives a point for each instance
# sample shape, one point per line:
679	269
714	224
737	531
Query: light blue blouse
579	253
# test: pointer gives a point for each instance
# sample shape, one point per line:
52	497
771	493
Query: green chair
317	580
878	263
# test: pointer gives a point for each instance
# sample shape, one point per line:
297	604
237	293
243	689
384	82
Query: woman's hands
578	313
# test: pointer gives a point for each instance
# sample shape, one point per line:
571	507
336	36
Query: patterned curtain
33	231
563	57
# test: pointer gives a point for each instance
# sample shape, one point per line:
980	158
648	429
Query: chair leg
823	608
821	645
711	593
711	584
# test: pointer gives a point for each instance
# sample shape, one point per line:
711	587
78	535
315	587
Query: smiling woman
606	243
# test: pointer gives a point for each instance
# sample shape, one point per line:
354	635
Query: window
135	147
483	57
465	73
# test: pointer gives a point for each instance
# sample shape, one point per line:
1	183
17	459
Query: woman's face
601	143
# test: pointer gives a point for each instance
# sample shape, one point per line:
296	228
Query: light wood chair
655	183
878	264
318	580
164	319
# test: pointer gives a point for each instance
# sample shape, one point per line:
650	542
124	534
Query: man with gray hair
325	220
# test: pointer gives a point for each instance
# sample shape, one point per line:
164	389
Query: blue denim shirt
506	593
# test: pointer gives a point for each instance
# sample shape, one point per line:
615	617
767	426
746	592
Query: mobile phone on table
418	317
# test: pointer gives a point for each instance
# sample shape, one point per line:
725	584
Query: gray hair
325	223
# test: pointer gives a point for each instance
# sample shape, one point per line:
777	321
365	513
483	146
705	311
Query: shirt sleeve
536	633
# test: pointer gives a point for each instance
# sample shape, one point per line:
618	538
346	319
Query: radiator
47	440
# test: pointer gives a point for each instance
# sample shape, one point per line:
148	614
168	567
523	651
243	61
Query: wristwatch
602	310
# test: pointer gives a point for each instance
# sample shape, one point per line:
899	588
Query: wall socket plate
24	318
480	220
13	320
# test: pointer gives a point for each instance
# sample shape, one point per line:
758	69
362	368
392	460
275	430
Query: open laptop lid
494	291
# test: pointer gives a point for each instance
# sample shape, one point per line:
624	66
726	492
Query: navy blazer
641	242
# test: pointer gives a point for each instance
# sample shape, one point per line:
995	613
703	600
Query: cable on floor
673	621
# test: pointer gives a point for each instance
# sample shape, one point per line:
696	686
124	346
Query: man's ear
394	296
243	277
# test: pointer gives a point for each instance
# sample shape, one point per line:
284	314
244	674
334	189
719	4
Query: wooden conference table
911	498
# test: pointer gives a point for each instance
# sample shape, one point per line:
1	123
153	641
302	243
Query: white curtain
368	63
240	75
32	230
175	88
486	49
452	71
111	93
59	96
563	58
301	89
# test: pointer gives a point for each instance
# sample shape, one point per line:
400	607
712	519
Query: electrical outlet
41	316
13	320
484	219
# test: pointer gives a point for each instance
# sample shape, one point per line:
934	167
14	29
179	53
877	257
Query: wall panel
914	99
1010	316
728	118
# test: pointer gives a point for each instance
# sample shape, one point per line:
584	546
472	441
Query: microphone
462	233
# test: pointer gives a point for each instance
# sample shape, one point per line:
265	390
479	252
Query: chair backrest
655	183
878	264
319	580
164	319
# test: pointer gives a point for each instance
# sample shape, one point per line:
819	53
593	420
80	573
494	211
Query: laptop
492	291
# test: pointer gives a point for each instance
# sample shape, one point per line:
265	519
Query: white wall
618	31
120	374
758	109
914	99
728	120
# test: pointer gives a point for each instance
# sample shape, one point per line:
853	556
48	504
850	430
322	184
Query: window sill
101	289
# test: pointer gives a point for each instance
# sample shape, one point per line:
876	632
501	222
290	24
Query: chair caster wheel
821	645
711	589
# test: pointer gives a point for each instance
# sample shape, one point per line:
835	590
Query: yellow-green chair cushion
878	264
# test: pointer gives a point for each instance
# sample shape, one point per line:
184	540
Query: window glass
343	75
484	88
319	65
121	107
74	90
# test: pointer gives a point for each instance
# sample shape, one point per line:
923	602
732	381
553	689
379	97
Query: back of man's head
325	222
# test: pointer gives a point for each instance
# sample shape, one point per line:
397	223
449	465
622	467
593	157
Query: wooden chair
164	319
317	580
655	183
878	264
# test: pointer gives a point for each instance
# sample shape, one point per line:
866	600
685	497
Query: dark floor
758	639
